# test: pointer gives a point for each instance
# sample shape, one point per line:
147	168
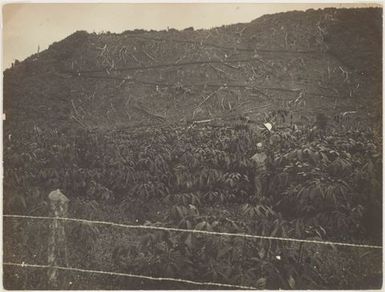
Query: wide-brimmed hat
268	126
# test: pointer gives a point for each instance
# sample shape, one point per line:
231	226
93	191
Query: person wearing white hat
260	168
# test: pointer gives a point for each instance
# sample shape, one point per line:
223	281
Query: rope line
225	85
157	66
206	44
130	275
195	231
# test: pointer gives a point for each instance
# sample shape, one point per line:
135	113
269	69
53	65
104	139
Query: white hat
268	126
259	145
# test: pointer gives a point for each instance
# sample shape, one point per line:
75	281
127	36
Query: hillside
314	61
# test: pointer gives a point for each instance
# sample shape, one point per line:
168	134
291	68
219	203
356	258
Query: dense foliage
319	184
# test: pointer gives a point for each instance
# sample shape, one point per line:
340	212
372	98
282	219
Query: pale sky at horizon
27	26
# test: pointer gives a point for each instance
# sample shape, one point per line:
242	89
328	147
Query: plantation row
323	185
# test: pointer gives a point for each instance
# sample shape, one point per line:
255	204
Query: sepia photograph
192	146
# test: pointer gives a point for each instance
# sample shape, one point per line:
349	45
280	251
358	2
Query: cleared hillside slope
315	61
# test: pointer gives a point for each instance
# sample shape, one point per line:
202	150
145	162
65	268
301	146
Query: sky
27	27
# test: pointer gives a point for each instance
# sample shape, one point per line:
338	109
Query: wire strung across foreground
244	235
129	275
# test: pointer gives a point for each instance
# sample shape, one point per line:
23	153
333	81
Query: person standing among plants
260	159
